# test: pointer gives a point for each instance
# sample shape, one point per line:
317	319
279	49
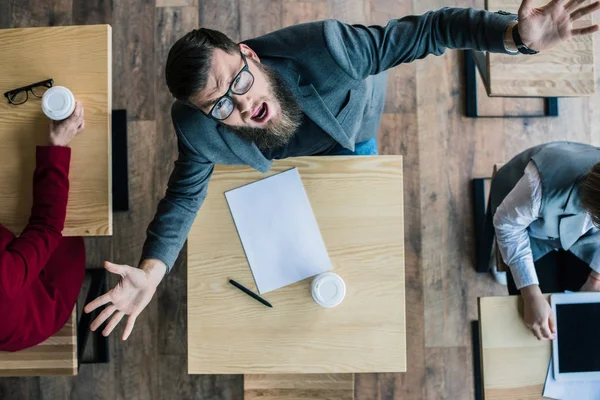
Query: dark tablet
576	350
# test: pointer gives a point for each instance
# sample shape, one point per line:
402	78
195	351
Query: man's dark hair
190	58
590	194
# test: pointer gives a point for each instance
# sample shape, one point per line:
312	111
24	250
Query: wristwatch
522	47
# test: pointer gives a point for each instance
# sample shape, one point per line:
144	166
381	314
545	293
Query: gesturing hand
544	27
129	297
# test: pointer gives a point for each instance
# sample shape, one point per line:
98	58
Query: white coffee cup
58	103
328	289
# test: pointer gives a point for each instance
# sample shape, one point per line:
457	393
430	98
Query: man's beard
275	134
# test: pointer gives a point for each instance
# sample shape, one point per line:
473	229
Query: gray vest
562	166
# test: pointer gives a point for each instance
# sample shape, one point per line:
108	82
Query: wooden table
358	205
565	70
57	355
514	362
78	57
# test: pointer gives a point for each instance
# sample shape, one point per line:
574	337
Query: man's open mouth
261	114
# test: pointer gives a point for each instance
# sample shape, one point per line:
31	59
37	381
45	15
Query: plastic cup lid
328	289
58	103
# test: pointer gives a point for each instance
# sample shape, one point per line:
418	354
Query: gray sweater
337	73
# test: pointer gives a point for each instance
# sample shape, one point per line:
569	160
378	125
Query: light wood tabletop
57	355
78	57
514	362
565	70
358	204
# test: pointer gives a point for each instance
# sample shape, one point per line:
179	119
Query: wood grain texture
444	191
499	106
171	24
514	362
134	88
224	16
176	383
565	70
364	236
260	17
89	12
5	14
136	370
176	3
30	13
350	11
43	53
299	387
57	355
298	12
448	373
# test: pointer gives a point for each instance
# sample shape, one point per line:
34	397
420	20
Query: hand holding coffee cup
62	132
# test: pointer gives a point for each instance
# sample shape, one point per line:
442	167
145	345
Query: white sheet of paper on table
278	230
570	390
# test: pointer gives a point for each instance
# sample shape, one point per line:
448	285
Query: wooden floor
423	121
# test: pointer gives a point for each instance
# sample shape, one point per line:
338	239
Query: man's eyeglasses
20	95
241	84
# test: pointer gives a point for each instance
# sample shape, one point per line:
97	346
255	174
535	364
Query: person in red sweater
41	272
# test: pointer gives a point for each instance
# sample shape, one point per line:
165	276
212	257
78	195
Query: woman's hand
538	315
62	132
592	284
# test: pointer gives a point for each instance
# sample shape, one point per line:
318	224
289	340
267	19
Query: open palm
129	297
544	27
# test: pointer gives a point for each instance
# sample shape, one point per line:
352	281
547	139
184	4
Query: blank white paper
569	390
278	231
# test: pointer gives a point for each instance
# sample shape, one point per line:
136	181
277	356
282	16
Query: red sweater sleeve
23	258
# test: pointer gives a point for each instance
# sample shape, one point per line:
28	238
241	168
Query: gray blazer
562	166
337	73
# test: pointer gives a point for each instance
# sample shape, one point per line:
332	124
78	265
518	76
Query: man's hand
538	315
592	284
129	297
62	132
544	27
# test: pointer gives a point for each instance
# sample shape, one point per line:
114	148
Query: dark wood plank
449	373
297	12
89	12
20	388
133	58
221	15
31	13
171	24
353	11
5	14
176	3
259	17
444	191
175	383
135	365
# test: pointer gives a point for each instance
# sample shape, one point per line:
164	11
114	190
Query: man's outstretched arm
362	51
